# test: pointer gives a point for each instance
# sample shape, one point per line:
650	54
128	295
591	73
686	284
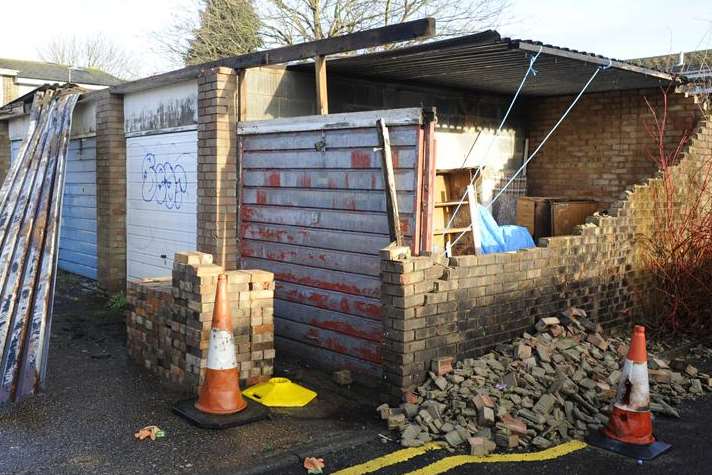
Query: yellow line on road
449	463
389	459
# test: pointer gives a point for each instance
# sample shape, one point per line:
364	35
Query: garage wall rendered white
161	197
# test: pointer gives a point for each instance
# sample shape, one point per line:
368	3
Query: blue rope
531	70
524	165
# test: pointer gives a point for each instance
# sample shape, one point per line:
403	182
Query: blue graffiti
163	183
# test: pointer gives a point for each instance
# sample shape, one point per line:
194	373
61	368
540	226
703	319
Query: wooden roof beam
412	30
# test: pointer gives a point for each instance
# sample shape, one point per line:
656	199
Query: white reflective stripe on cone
221	354
638	389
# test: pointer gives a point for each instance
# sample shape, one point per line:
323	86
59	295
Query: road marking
448	463
389	459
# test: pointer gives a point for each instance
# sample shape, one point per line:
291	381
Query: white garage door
161	201
14	149
77	244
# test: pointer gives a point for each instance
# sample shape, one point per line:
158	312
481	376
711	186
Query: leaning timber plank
412	116
334	341
416	29
366	222
329	300
339	159
362	370
324	140
327	199
312	257
367	180
344	282
392	202
31	311
27	251
34	364
346	241
352	325
322	96
16	233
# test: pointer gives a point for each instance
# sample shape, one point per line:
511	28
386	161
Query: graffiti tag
163	183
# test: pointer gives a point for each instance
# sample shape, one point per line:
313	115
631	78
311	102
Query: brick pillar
217	165
111	192
4	149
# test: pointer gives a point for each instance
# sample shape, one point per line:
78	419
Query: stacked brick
169	321
465	305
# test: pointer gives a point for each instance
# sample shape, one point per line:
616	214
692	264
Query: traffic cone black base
639	452
252	413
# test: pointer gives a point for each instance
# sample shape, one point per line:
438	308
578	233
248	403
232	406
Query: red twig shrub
677	246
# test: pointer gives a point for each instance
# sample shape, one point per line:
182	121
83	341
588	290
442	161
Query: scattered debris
343	377
152	432
314	465
539	390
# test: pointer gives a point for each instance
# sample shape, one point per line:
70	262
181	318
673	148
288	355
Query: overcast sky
616	28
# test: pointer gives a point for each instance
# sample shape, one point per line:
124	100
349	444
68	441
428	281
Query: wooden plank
366	222
389	180
344	282
406	31
322	95
366	307
326	199
428	186
351	325
334	341
319	238
313	257
474	219
349	120
326	179
241	95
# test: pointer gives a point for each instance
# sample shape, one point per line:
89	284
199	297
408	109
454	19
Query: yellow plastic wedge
280	392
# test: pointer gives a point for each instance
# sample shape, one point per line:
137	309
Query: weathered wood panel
313	211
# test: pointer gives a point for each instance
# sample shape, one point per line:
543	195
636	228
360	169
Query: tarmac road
97	398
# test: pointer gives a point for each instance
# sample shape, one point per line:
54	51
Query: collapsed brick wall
169	319
465	305
602	146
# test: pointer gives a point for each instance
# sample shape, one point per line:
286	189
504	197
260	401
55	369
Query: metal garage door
77	244
161	201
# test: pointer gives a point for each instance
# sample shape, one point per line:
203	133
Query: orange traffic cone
630	427
220	392
220	403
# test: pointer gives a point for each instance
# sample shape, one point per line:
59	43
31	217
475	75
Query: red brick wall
602	146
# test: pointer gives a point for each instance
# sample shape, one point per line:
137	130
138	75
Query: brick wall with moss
463	306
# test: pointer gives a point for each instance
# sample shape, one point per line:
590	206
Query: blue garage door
77	245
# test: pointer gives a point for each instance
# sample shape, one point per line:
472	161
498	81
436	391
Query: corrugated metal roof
58	72
489	63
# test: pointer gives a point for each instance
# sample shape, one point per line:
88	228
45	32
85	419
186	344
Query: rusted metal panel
312	210
404	158
325	239
169	108
366	264
30	209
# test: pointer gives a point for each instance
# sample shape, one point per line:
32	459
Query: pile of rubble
540	390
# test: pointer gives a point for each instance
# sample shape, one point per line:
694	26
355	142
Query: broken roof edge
19	106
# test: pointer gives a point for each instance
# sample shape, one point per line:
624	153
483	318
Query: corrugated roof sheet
58	72
489	63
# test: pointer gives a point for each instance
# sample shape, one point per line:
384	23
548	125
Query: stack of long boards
30	212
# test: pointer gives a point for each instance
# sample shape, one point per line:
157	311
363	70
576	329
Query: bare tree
94	52
295	21
285	22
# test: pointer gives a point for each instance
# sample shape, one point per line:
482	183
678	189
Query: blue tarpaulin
496	238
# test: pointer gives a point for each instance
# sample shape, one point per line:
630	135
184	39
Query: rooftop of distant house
686	63
58	72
